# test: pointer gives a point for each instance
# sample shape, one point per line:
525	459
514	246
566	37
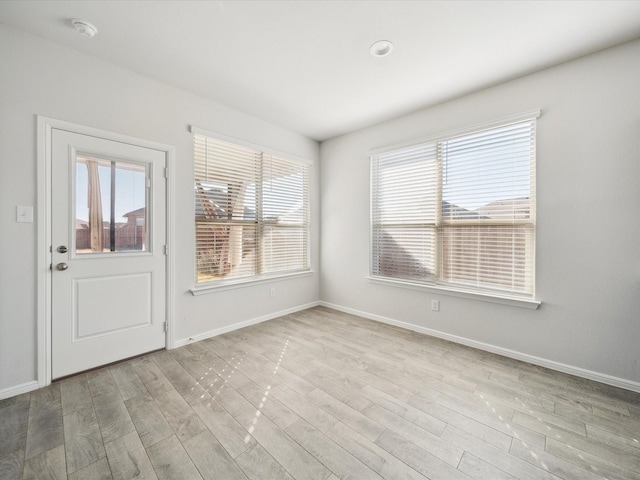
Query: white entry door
108	216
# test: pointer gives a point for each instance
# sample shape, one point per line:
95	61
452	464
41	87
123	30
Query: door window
110	205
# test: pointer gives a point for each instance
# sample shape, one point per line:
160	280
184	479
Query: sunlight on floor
252	428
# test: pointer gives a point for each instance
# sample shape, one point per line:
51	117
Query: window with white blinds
251	213
458	211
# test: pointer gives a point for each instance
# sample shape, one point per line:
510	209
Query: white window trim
241	283
461	292
511	300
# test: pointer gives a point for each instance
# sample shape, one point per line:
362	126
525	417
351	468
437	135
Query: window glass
111	200
252	213
458	212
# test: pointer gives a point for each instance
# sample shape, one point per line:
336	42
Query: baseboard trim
19	389
246	323
542	362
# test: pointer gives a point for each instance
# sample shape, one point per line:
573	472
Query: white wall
588	265
588	225
40	78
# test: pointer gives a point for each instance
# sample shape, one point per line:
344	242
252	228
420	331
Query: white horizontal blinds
459	211
285	215
252	212
404	213
488	208
225	178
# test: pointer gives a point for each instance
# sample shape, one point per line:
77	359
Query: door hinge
166	172
166	249
148	182
165	326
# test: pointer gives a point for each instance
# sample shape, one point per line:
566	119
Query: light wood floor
321	395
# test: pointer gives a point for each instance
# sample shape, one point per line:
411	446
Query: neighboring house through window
458	211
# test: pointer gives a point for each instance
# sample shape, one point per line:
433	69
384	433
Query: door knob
62	266
62	249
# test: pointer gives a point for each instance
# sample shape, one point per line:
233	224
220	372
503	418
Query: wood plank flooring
321	395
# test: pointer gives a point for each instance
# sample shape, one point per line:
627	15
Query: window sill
510	300
231	285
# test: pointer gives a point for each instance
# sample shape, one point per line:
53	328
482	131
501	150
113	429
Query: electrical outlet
272	292
435	305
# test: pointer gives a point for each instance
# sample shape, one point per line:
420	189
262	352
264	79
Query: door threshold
106	365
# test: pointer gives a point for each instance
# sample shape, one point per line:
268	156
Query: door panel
108	260
100	314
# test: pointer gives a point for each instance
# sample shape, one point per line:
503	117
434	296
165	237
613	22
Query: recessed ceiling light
84	28
381	48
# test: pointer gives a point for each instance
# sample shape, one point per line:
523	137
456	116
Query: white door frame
44	186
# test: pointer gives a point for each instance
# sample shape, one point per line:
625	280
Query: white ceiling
306	65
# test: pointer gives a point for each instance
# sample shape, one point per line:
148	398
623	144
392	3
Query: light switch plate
24	214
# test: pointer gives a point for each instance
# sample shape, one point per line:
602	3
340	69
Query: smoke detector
84	28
